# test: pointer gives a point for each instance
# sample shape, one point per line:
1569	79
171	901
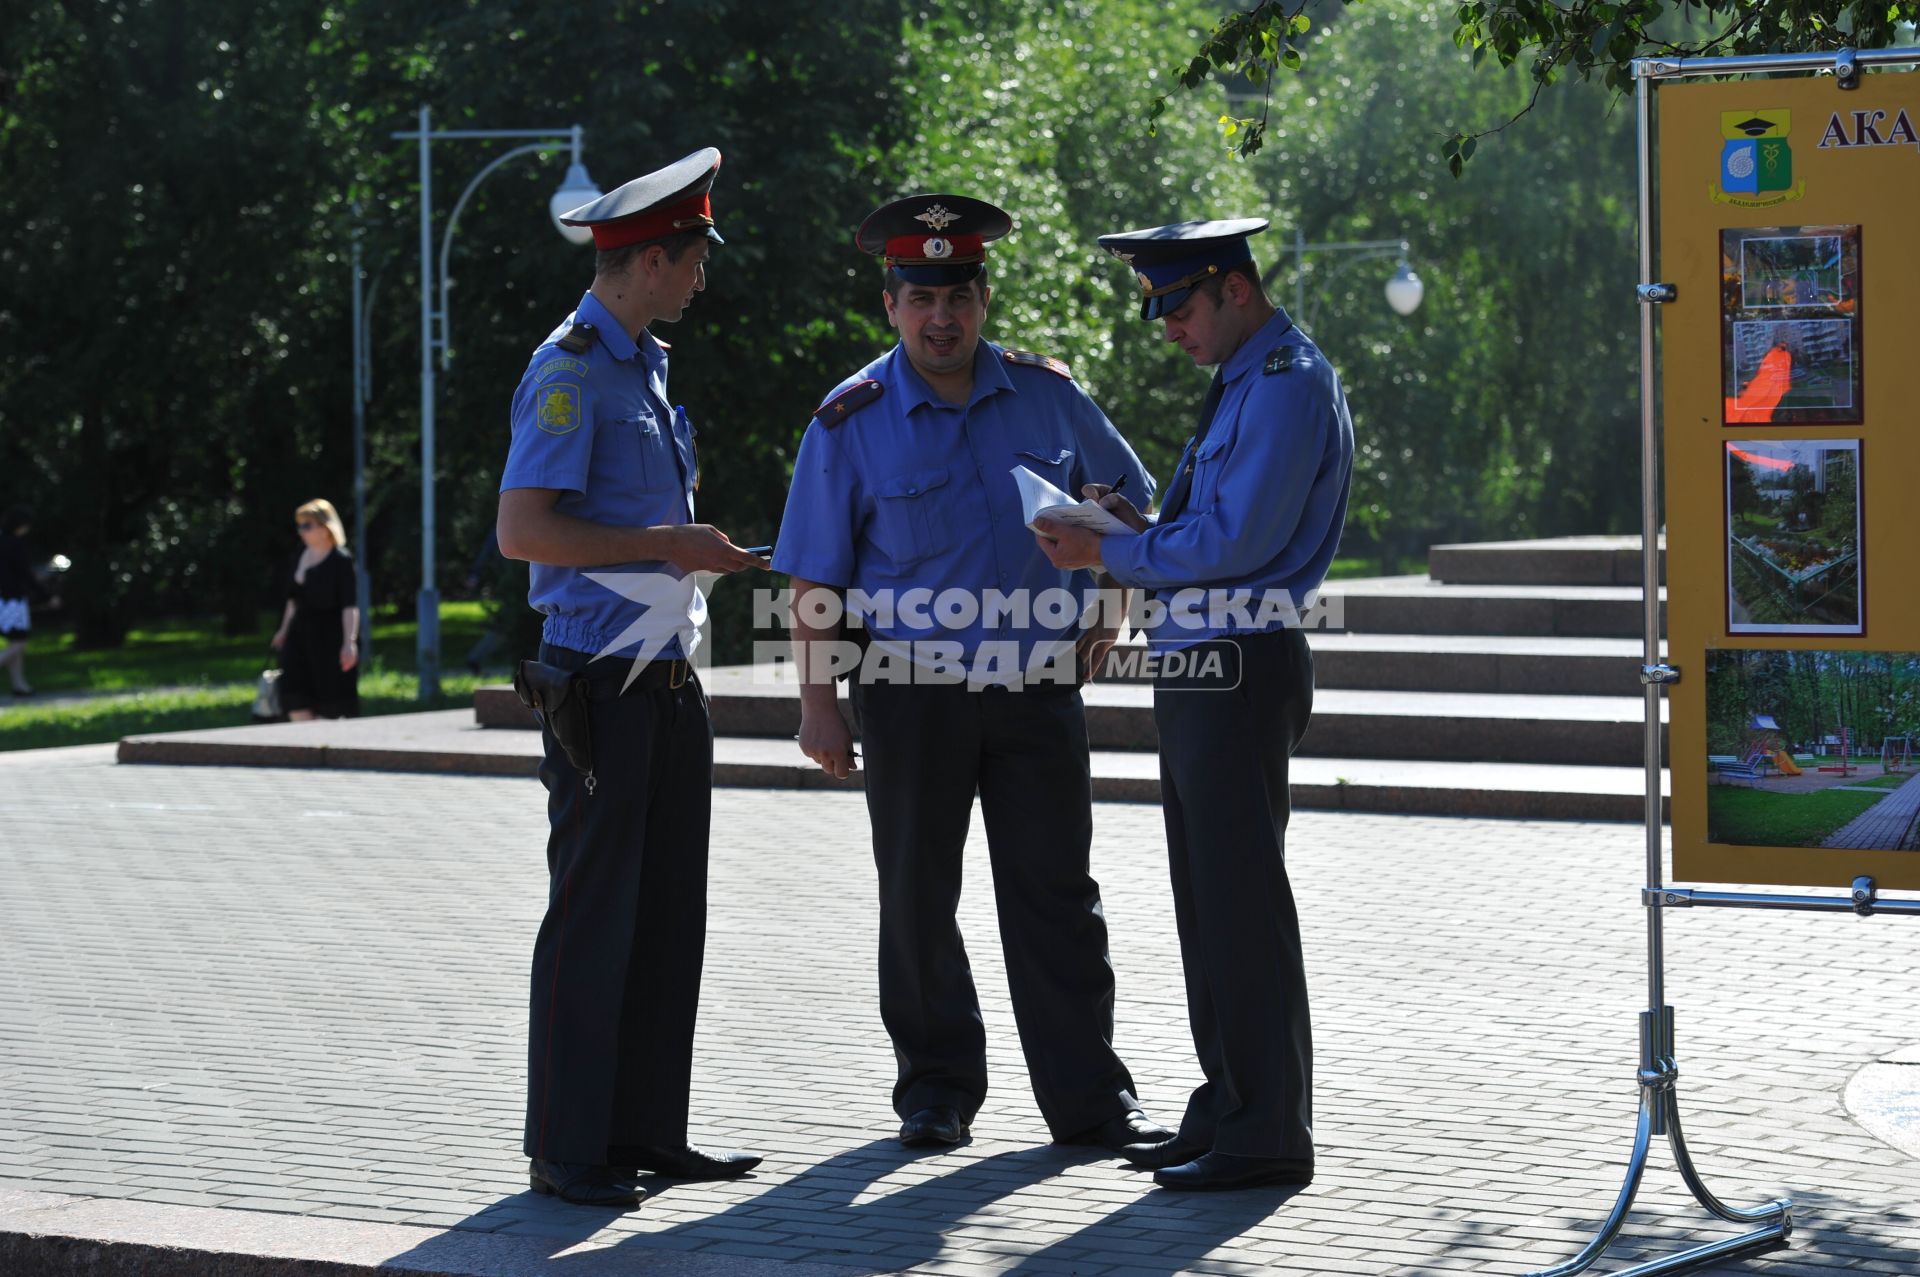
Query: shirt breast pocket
910	519
1209	459
1055	465
655	469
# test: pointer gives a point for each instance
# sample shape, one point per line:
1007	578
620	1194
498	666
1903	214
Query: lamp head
1405	290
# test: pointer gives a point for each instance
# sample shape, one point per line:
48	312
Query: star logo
937	217
670	607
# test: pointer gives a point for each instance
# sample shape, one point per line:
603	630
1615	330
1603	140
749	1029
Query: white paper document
1038	497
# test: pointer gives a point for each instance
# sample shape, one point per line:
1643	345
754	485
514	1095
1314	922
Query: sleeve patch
554	367
557	410
1032	359
847	402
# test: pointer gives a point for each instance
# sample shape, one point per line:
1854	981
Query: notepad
1038	498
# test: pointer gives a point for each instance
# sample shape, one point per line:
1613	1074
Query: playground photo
1793	537
1790	300
1813	749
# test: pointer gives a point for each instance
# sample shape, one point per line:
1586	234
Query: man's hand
1116	505
826	739
1066	546
701	547
349	654
1091	649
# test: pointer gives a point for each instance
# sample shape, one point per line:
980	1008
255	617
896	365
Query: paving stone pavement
304	992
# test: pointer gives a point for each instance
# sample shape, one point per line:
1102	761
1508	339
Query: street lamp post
576	189
1404	290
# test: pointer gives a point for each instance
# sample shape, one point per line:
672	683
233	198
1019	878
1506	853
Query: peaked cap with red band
933	239
665	201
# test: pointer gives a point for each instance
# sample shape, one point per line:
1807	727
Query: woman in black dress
319	637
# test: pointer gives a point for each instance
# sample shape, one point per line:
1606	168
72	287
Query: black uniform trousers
1223	785
928	748
616	967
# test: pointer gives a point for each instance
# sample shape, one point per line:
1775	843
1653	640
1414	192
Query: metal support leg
1660	1115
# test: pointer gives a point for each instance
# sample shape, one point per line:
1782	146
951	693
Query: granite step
1584	560
763	701
1422	605
449	741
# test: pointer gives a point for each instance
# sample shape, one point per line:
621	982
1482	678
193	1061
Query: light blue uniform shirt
913	493
598	427
1260	526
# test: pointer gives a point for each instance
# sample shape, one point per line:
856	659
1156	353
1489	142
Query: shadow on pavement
819	1216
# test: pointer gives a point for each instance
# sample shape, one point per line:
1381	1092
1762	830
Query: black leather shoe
939	1125
1215	1171
1173	1152
687	1162
584	1184
1117	1133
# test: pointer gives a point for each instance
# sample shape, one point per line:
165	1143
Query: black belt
608	676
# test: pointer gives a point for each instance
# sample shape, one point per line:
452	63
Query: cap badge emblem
937	247
937	217
1125	257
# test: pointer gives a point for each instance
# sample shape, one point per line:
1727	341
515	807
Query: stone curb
55	1233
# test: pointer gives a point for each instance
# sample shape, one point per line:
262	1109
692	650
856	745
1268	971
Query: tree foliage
178	186
1589	40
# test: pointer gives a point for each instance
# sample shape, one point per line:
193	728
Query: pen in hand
1116	485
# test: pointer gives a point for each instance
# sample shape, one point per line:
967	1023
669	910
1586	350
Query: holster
560	699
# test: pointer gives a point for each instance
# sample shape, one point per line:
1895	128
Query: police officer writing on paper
904	507
598	496
1246	532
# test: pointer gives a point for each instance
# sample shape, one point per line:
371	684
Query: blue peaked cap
1168	261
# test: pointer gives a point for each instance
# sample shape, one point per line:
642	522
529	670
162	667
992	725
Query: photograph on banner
1813	749
1793	537
1790	325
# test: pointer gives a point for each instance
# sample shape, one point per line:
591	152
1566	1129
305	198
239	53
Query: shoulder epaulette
847	402
1031	359
578	339
1286	359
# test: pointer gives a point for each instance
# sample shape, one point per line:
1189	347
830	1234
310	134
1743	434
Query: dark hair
15	518
1214	286
896	283
616	261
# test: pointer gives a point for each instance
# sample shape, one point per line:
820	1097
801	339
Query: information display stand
1778	265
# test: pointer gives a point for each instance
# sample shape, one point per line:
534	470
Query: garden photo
1793	537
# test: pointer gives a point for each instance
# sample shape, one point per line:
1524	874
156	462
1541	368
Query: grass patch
183	675
1885	782
1756	818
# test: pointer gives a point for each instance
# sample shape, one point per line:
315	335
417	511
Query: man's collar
618	341
1258	345
989	378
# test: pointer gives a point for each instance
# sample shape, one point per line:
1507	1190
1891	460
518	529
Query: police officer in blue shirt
904	512
1246	532
598	496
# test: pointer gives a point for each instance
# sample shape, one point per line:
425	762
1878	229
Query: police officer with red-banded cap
904	489
598	495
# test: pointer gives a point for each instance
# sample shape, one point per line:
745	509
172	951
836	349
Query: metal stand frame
1659	1074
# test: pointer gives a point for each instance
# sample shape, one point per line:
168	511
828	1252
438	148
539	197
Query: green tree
1551	39
1029	103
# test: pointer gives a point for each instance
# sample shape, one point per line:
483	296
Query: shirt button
913	492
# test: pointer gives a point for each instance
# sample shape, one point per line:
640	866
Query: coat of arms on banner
1756	160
